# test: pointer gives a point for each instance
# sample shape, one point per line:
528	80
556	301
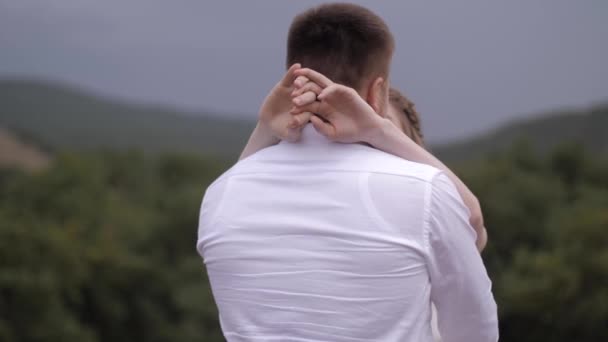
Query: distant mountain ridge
543	133
62	117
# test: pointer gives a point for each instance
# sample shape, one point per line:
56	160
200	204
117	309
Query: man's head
347	43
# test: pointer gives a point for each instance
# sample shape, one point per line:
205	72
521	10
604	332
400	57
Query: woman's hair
407	107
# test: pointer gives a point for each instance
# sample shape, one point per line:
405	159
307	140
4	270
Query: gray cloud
468	64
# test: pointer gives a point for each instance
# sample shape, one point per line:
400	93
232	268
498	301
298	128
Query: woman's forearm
392	140
260	138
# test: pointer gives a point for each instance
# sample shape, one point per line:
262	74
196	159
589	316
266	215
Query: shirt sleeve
460	287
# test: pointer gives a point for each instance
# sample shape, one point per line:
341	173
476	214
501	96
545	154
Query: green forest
101	246
99	243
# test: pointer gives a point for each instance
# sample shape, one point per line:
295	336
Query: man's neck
310	136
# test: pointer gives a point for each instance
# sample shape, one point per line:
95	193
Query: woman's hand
340	113
275	118
275	122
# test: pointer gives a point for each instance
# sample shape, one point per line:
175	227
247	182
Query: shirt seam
428	203
372	210
367	201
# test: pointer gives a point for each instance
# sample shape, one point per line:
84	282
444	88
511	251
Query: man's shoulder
250	164
337	157
218	184
384	163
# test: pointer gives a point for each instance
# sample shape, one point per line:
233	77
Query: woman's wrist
377	132
260	138
264	134
387	137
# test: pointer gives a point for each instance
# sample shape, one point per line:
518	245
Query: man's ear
375	95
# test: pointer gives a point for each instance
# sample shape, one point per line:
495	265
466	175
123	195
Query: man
320	241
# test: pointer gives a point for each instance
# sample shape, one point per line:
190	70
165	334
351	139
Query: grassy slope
16	153
61	117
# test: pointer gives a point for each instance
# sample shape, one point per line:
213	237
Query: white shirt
320	241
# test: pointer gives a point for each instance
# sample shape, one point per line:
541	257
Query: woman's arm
348	118
389	138
261	138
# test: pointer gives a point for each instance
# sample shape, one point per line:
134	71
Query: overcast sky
469	65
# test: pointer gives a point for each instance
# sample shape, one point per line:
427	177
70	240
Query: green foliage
100	247
547	256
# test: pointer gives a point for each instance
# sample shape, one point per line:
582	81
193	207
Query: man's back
318	241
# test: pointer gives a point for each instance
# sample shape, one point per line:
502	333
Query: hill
587	127
58	116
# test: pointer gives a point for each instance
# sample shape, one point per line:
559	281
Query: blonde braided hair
413	127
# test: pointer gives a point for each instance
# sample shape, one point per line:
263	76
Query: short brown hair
345	42
412	126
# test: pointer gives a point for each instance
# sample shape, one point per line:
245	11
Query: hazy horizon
469	66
